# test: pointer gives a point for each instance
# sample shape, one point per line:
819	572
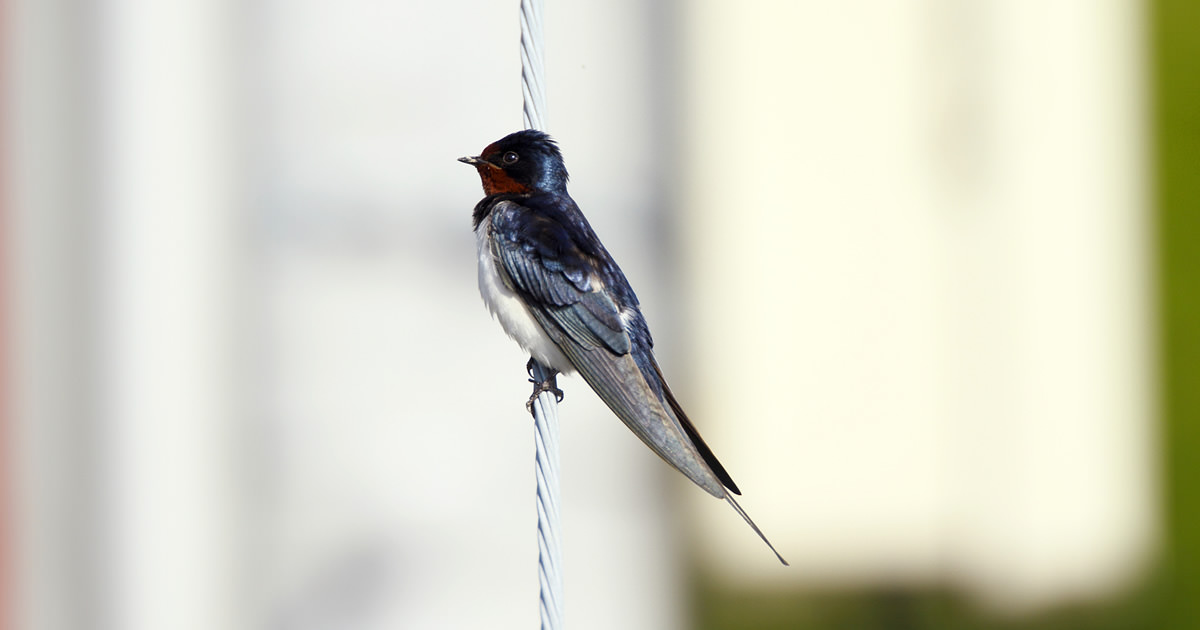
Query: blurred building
897	258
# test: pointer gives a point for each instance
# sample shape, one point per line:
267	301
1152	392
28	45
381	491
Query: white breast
514	316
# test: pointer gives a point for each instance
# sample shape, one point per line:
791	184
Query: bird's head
523	162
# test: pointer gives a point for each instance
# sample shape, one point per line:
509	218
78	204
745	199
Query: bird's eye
510	158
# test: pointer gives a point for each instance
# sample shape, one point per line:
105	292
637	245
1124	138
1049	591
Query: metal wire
533	65
545	408
545	416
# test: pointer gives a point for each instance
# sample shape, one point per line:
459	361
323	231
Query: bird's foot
539	387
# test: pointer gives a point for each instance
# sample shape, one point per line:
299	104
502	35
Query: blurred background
922	272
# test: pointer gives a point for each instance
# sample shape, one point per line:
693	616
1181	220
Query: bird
555	289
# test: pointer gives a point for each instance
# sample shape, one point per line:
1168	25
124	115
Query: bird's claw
540	387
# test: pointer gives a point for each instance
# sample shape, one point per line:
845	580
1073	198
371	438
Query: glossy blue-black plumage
545	251
551	257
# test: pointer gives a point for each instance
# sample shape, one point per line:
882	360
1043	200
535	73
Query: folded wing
539	258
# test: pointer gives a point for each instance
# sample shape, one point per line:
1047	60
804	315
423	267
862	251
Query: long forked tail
746	517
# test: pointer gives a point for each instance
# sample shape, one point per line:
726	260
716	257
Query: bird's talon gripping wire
548	385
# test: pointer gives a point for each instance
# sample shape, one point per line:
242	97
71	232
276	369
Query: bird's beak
471	160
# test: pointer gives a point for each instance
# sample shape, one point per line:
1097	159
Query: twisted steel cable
545	408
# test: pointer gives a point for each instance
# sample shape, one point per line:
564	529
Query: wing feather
552	275
539	260
619	382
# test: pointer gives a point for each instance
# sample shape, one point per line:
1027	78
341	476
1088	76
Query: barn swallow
556	291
